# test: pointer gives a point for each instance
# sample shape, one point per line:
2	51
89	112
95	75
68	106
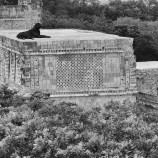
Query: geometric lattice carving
86	71
72	72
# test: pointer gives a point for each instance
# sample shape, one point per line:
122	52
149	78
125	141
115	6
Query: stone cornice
92	93
74	51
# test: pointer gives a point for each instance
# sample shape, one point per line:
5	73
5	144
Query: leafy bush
67	130
9	97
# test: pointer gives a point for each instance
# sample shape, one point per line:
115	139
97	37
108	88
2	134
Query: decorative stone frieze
21	16
147	81
85	67
96	64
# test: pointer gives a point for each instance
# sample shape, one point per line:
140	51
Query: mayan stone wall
147	81
147	84
70	68
22	16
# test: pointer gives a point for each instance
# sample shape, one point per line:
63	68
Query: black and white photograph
78	78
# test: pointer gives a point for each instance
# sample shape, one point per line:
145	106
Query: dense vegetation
40	128
131	18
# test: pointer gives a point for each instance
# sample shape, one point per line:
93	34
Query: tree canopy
131	18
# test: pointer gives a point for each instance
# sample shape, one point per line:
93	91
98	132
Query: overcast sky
103	1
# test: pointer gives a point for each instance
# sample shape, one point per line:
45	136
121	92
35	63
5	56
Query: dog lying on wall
33	33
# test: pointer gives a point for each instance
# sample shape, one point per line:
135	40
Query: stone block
97	64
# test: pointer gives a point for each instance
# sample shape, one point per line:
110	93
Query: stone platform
147	77
71	64
147	82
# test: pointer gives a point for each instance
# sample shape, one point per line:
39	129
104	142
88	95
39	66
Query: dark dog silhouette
33	33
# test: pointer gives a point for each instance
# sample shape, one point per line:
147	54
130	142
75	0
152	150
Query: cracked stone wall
147	84
147	81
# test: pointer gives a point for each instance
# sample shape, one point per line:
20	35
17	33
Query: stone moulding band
94	93
91	93
73	51
103	93
67	51
88	95
11	50
97	92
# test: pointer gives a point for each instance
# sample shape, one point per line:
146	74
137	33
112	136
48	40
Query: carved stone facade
21	16
73	63
147	82
85	67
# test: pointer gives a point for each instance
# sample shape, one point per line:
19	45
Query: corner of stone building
21	16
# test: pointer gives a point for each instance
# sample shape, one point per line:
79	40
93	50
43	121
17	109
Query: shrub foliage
40	128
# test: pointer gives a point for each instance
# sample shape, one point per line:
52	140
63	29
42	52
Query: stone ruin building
85	67
147	83
21	16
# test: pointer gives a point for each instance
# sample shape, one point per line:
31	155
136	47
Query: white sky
103	1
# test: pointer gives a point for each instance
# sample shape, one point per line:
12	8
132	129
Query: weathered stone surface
85	67
147	82
147	77
22	16
70	63
89	102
